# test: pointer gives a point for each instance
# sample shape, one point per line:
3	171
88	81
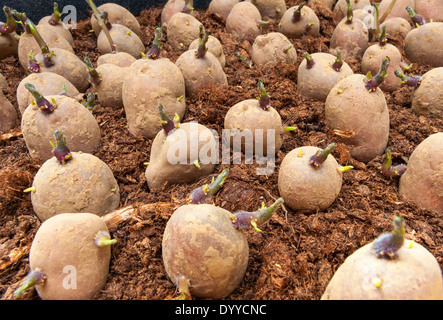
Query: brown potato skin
81	130
399	9
427	99
340	8
316	82
116	15
430	9
272	48
273	9
83	184
69	66
110	90
349	106
248	115
200	72
121	59
303	187
68	240
182	29
172	7
160	171
124	39
200	243
414	275
296	30
352	39
3	83
372	59
422	44
8	114
8	45
422	182
53	39
222	7
214	46
47	83
242	21
59	27
396	26
148	83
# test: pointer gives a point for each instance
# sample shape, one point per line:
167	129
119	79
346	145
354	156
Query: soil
298	252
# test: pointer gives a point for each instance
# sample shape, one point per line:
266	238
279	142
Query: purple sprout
390	171
387	244
10	25
44	105
411	80
297	12
60	149
244	219
202	193
154	51
372	83
320	156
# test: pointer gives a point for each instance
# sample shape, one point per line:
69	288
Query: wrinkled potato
124	40
116	15
399	9
316	82
146	84
243	21
172	7
222	7
53	39
372	58
272	48
59	27
65	252
430	9
304	187
299	28
351	38
47	83
341	7
182	156
8	45
422	44
201	245
121	59
362	115
427	99
79	125
414	275
422	182
84	184
183	28
8	114
214	46
273	9
69	66
396	26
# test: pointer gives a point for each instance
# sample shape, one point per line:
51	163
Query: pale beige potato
341	8
69	66
242	21
116	15
173	156
80	127
372	59
222	7
85	184
427	99
47	83
172	7
214	46
399	9
422	182
304	187
349	106
244	118
8	115
146	84
273	9
315	3
272	48
430	9
60	27
351	38
396	26
183	28
8	45
198	73
110	90
200	243
423	44
121	59
316	82
124	40
64	250
298	29
414	275
3	83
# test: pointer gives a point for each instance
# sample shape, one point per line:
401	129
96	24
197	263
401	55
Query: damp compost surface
297	253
